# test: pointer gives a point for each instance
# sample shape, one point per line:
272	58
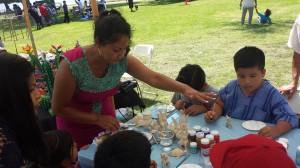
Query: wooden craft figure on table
162	121
177	129
155	125
228	122
183	121
164	160
177	152
137	118
146	121
183	142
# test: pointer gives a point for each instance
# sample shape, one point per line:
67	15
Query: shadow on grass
149	101
259	28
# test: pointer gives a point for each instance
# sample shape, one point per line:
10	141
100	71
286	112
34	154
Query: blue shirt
266	104
263	19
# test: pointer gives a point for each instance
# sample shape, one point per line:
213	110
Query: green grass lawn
205	32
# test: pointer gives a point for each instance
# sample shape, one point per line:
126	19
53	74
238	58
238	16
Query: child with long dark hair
194	76
20	135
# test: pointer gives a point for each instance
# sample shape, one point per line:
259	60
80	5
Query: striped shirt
266	105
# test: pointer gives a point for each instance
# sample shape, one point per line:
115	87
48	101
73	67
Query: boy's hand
273	132
179	105
210	116
270	132
195	109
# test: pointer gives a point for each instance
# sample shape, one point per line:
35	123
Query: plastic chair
294	104
146	51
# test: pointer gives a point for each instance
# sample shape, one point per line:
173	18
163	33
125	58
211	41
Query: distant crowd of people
46	14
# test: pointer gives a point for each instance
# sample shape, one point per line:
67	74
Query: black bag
127	96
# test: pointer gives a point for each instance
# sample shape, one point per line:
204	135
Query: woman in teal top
88	77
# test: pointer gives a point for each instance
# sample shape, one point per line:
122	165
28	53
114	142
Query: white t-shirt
294	40
80	5
248	3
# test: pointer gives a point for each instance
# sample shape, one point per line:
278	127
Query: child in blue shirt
250	97
264	18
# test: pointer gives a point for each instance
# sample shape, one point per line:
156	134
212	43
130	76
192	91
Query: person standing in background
294	43
66	12
80	7
247	5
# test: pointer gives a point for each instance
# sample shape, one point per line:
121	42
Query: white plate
148	135
162	108
189	166
253	125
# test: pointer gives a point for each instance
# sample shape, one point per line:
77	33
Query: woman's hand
195	109
108	122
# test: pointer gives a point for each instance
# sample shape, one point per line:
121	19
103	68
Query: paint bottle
193	147
192	135
197	128
298	156
286	141
216	135
205	130
205	147
212	141
199	136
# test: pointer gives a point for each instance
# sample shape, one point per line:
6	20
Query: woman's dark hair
61	143
110	26
192	75
16	107
249	57
126	149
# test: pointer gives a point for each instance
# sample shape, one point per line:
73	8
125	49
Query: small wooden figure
164	160
183	142
177	152
228	122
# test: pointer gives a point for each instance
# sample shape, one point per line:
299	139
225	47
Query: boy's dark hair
126	149
110	26
268	12
60	143
16	108
249	57
192	75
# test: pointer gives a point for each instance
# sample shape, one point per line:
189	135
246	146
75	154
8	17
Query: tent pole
29	27
95	9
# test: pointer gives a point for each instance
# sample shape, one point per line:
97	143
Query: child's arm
273	132
215	112
256	10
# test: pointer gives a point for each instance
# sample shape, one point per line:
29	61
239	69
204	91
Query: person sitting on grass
126	149
193	76
264	18
250	97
